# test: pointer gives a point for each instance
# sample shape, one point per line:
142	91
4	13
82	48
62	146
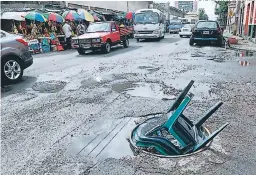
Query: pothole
147	90
49	86
6	89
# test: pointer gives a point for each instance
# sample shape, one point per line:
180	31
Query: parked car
207	31
101	35
175	26
186	30
15	57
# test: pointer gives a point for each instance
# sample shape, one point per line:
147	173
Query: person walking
80	30
68	33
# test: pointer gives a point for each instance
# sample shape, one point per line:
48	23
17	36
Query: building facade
123	6
187	6
249	22
192	17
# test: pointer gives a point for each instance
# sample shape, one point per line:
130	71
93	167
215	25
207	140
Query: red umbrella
129	15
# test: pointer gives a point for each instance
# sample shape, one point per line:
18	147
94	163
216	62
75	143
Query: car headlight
96	40
156	32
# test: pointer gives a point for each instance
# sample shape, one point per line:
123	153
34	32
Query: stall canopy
54	17
86	16
35	16
71	15
18	16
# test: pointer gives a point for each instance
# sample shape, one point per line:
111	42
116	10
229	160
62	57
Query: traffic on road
151	97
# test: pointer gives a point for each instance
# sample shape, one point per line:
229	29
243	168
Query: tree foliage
202	14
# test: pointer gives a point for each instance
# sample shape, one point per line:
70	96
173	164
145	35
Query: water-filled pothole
147	90
49	86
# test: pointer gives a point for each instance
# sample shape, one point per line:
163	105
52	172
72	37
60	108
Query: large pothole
49	86
144	89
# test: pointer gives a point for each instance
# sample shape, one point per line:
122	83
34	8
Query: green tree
222	11
202	14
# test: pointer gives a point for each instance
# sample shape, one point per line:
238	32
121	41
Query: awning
18	16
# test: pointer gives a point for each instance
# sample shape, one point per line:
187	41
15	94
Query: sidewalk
242	43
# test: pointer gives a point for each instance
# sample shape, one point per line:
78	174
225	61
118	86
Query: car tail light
22	41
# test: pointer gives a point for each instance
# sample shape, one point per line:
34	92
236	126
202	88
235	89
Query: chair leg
208	114
181	97
210	138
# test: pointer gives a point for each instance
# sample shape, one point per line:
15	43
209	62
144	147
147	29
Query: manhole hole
146	126
49	86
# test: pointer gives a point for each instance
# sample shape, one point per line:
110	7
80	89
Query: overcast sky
209	7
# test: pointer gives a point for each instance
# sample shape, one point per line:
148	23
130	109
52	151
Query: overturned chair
175	135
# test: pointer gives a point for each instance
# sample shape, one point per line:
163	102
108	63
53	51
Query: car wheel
12	70
107	47
191	42
81	51
126	43
138	40
181	36
220	43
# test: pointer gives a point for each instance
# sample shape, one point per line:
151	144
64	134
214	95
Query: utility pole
127	6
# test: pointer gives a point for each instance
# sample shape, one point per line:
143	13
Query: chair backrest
178	127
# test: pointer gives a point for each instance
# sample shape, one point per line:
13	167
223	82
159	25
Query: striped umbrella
129	15
35	16
54	17
71	15
86	16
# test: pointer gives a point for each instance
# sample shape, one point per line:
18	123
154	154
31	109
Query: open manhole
173	134
49	86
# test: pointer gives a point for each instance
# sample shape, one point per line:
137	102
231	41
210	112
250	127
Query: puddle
109	142
140	89
200	90
49	86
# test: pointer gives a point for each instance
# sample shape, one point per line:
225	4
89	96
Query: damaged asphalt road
73	114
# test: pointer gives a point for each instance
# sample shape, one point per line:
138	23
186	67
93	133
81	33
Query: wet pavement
71	114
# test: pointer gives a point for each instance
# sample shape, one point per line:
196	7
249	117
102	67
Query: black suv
207	31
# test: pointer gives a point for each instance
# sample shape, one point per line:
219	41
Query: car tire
81	51
181	36
220	43
138	40
126	43
17	69
107	47
191	42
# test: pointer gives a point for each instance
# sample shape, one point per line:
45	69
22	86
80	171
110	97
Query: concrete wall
114	5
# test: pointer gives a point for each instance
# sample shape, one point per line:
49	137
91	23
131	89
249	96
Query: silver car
15	57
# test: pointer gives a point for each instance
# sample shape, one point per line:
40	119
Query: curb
235	48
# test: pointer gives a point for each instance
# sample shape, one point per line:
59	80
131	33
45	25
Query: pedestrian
68	32
80	30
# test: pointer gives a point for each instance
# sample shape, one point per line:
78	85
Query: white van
149	23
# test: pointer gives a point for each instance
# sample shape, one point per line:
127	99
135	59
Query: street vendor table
62	40
45	43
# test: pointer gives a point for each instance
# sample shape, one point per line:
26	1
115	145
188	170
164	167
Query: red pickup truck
101	35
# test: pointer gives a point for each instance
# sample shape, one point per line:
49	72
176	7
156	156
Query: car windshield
148	17
187	26
98	27
211	25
